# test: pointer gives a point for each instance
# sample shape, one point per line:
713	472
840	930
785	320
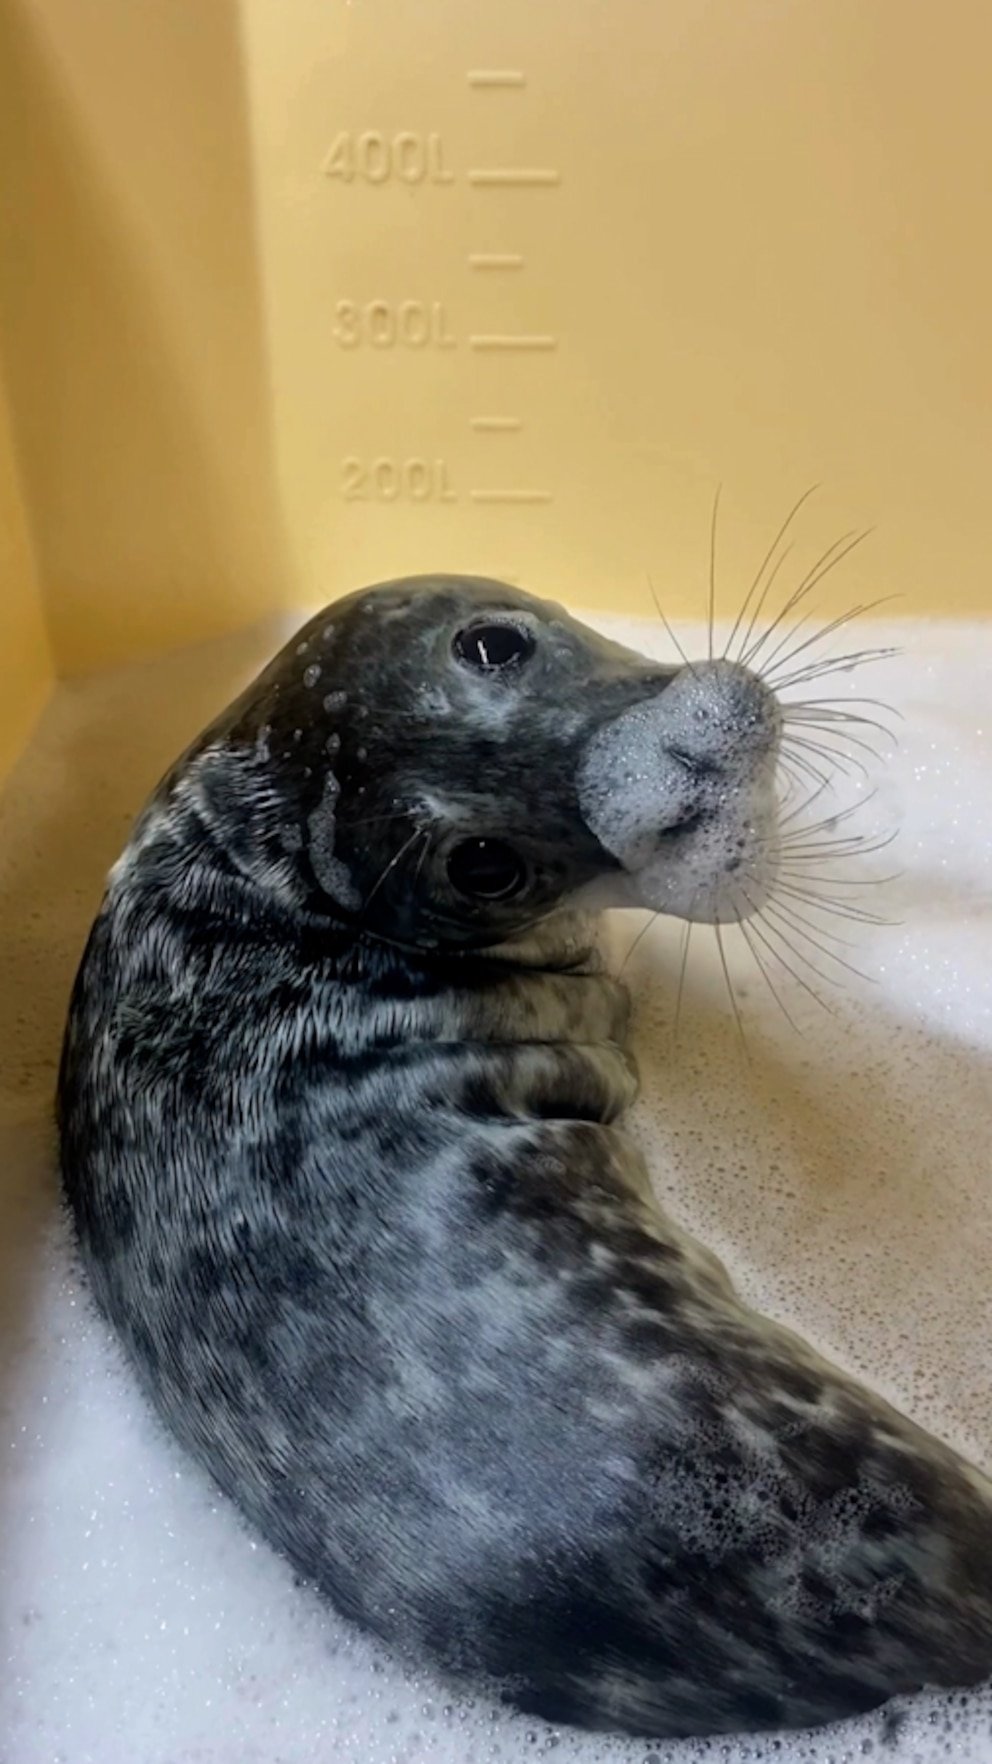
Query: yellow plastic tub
295	294
300	294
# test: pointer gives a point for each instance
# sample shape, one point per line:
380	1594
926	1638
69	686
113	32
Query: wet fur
361	1212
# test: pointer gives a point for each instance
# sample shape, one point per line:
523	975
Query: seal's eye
491	647
486	869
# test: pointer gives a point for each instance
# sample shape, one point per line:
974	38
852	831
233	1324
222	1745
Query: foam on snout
681	790
843	1174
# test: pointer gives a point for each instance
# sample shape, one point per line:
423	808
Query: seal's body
338	1106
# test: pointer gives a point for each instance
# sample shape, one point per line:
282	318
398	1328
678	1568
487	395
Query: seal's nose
718	716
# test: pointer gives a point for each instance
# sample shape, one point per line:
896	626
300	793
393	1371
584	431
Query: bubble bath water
840	1163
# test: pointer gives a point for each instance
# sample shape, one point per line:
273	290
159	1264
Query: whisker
780	958
836	909
668	628
763	971
361	918
836	755
800	955
840	761
795	868
786	638
769	554
832	851
864	848
833	625
839	733
642	933
425	848
828	825
799	922
824	715
834	555
876	703
779	914
803	806
797	875
372	820
798	857
769	585
829	820
841	728
795	781
848	881
777	660
824	732
805	766
682	971
716	511
418	833
834	665
718	928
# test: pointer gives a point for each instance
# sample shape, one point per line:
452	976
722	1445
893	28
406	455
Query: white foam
843	1175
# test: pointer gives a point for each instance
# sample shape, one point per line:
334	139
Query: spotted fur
343	1157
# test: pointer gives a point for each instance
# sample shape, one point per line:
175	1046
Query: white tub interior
845	1174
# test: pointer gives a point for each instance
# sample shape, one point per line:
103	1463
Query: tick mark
495	260
521	340
513	175
494	425
510	495
495	76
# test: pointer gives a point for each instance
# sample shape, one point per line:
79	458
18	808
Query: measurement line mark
510	495
495	76
495	425
519	176
492	342
495	260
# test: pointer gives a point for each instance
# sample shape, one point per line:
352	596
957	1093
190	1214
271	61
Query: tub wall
25	657
763	258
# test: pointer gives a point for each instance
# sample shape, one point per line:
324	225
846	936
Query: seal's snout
680	789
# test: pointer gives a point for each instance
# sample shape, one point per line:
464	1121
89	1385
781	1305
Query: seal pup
338	1108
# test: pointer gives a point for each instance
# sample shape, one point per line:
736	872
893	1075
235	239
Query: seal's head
447	760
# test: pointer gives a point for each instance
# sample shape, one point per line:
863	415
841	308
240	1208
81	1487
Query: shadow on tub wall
131	322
